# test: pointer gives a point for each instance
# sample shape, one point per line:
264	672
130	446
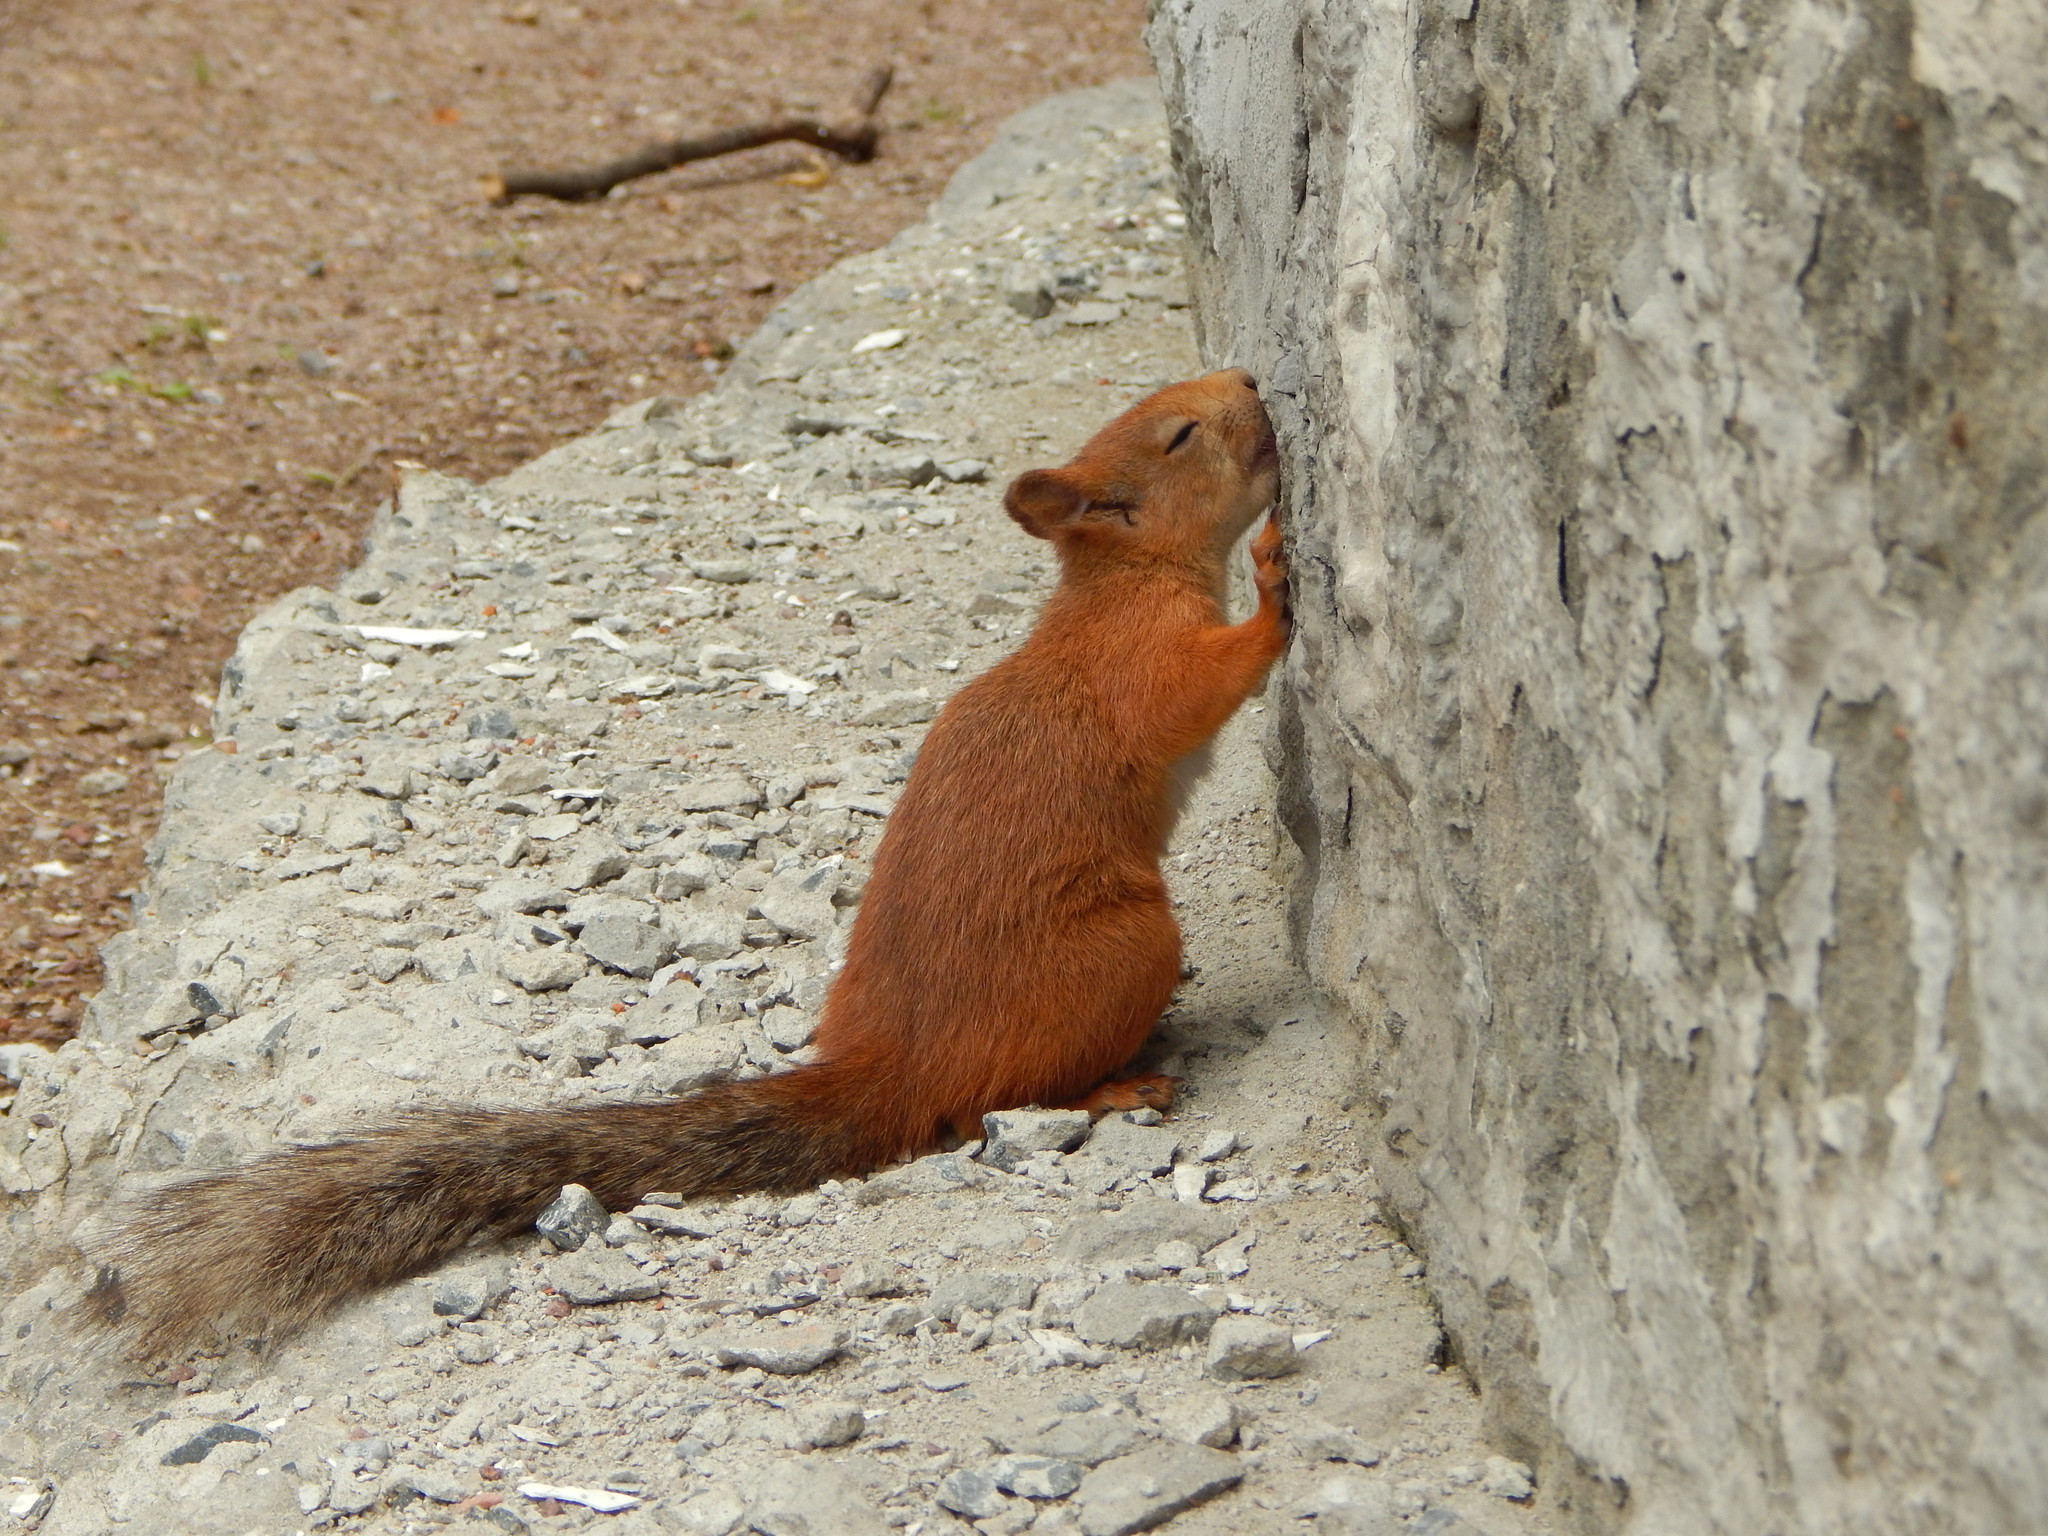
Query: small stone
1506	1479
819	1426
942	1381
692	1061
1317	1441
910	469
674	1008
810	1499
1094	312
102	781
470	1291
1175	1255
685	877
627	945
903	1318
1013	1136
709	933
280	823
799	903
1143	1317
988	1293
591	1277
505	285
991	605
1216	1146
1036	1477
1201	1418
1084	1435
1139	1149
1356	1506
621	1230
195	1450
1245	1349
716	795
867	1280
592	867
543	970
1026	287
974	1494
732	571
429	1483
387	780
381	909
503	897
672	1220
571	1218
940	1174
887	710
788	1029
465	767
1136	1492
387	964
717	1511
964	471
474	1349
1136	1231
781	1351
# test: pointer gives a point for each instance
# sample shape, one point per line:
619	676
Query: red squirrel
1015	944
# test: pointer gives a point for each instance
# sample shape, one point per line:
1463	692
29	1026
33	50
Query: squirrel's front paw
1269	561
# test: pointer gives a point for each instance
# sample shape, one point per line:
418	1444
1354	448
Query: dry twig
853	140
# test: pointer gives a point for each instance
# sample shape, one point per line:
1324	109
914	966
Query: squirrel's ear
1042	500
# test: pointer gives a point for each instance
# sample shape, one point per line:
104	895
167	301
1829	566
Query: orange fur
1015	944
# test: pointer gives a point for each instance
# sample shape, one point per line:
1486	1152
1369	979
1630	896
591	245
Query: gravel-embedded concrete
600	834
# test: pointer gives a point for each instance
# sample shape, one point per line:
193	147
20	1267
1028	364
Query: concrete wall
1664	733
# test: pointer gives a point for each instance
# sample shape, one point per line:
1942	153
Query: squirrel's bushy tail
268	1247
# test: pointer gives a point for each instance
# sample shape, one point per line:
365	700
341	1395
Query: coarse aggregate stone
598	833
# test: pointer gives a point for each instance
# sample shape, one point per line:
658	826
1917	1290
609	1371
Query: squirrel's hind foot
1154	1091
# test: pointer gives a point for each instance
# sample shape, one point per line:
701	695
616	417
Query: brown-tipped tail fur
266	1248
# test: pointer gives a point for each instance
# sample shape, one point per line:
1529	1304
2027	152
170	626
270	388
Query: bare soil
246	267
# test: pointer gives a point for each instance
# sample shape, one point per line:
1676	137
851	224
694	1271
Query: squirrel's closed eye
1181	436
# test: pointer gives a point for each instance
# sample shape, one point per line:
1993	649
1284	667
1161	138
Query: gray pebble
820	1426
1141	1149
572	1218
195	1450
1012	1136
972	1493
1136	1231
621	1230
1201	1418
1143	1317
593	1276
1245	1349
987	1293
1036	1477
791	1351
542	970
628	946
1136	1492
465	1293
518	894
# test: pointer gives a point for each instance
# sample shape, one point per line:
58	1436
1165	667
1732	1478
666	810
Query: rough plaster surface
1663	737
